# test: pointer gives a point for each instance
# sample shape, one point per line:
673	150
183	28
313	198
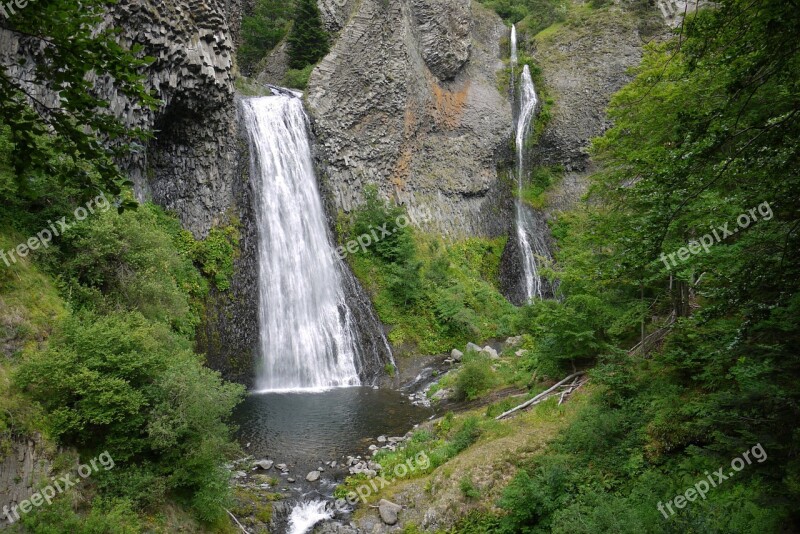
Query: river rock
291	480
381	439
490	352
472	347
282	467
373	447
456	355
513	341
312	476
388	511
263	464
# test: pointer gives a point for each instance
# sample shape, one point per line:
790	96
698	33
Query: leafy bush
133	387
298	78
437	297
475	377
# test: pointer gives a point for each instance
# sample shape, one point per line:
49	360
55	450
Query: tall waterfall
529	228
308	338
513	60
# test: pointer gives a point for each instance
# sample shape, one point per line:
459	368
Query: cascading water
308	338
529	228
513	59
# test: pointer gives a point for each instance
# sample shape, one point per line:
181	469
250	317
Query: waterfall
308	338
513	60
529	226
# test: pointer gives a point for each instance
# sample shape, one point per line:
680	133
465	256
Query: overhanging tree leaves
65	54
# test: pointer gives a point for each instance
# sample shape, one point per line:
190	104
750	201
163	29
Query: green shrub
131	261
134	388
468	489
475	377
298	78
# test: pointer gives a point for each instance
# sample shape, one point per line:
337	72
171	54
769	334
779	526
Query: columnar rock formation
407	100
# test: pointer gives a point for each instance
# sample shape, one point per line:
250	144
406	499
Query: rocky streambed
301	445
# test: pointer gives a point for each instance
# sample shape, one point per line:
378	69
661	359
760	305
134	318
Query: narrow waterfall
514	60
308	338
530	235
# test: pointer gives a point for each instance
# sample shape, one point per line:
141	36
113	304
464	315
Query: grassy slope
436	501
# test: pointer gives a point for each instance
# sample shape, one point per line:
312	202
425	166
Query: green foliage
298	78
262	30
216	253
530	15
134	388
435	297
74	57
475	377
130	261
539	182
468	489
707	131
308	40
105	516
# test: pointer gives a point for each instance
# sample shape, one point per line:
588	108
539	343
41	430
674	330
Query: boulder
490	352
263	464
472	347
456	355
513	341
312	476
388	511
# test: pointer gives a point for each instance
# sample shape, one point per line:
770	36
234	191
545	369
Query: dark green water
304	429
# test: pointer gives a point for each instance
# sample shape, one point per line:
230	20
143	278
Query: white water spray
531	243
307	336
307	514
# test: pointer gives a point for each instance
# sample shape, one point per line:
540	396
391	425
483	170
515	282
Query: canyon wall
407	100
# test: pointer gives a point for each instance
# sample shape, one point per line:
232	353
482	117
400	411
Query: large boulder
388	511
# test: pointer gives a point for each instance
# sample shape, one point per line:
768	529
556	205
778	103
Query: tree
263	30
308	41
70	56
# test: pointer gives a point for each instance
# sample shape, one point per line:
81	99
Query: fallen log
540	396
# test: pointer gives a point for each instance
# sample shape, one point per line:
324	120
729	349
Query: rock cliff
407	100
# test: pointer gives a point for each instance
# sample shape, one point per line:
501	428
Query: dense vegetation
705	136
99	310
435	297
299	22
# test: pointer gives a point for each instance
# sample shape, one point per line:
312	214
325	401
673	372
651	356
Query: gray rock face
26	464
335	13
275	65
444	40
388	511
383	114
